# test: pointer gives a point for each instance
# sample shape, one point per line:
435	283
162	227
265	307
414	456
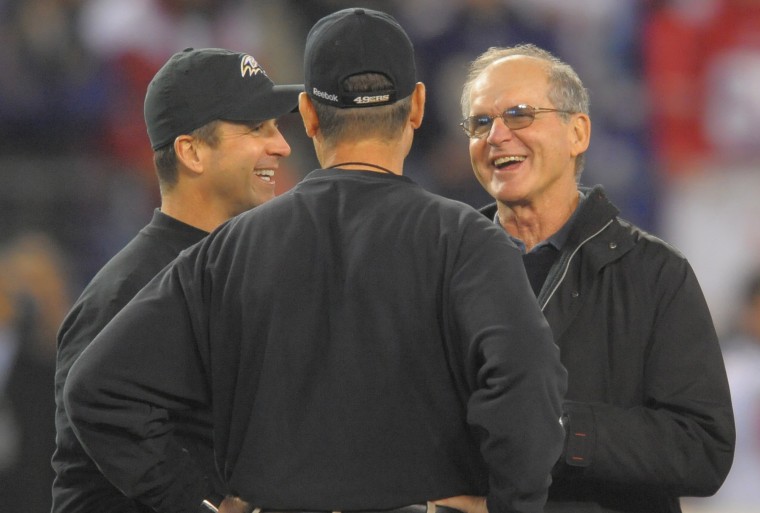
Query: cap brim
279	100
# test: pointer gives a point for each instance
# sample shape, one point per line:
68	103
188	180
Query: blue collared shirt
539	260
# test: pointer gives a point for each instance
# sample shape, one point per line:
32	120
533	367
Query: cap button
359	11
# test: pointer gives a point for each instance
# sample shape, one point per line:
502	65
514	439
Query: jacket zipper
567	263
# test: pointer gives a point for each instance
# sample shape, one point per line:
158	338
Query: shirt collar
558	239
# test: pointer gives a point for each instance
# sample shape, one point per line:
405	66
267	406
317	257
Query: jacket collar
596	226
594	214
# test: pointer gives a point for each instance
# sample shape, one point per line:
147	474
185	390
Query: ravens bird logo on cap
249	66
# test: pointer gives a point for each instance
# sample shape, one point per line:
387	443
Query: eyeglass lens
519	116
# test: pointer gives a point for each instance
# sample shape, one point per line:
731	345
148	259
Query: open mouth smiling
265	174
511	160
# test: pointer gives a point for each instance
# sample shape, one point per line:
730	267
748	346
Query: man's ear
186	148
418	105
308	115
580	134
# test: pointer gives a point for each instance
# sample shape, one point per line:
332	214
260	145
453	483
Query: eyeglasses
517	117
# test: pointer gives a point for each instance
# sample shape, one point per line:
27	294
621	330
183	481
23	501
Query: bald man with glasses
647	414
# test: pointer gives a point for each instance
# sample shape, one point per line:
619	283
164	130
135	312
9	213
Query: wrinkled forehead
509	81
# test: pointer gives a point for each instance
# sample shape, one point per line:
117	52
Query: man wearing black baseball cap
210	115
367	346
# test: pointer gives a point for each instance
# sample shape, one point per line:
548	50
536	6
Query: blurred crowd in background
675	107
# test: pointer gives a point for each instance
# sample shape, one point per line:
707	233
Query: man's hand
234	505
466	503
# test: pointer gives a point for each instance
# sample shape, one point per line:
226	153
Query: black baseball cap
354	41
197	86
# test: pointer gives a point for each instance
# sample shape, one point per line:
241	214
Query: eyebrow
250	124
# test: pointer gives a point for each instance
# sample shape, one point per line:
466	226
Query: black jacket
79	487
649	409
364	345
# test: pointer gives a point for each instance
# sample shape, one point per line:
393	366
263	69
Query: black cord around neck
381	168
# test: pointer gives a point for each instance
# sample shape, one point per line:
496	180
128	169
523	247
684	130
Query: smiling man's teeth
265	174
502	161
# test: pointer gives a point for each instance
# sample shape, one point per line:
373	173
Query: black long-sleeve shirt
364	344
79	487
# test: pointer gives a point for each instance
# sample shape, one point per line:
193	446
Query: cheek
224	156
252	155
483	173
554	145
478	154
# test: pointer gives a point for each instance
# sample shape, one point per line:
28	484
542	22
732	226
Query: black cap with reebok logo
197	86
354	41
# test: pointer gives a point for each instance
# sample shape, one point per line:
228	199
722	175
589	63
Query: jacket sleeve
680	439
516	378
78	484
119	393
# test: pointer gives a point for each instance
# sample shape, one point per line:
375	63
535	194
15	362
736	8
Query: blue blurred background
676	142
